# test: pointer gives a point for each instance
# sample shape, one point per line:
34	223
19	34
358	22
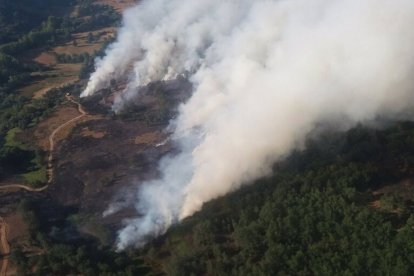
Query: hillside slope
330	210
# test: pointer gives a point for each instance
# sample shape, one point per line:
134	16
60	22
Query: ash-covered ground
110	153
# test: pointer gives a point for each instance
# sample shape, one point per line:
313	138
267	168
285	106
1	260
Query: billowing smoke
265	73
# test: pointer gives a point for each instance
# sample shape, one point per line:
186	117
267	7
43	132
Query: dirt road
50	172
52	136
4	246
4	228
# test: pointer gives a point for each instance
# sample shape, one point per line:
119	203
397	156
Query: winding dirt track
50	172
4	228
52	141
4	246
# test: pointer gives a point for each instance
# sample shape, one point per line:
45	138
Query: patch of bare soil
45	128
64	74
86	132
17	228
45	58
61	75
4	246
150	138
80	44
41	132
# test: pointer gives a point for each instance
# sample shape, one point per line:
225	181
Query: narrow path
4	228
5	247
23	187
50	171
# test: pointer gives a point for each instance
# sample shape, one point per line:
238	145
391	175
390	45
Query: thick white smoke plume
265	73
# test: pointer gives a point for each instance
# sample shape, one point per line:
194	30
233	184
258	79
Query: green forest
313	217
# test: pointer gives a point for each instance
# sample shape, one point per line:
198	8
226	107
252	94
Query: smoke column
265	73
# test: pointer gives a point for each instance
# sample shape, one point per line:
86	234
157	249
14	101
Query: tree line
313	217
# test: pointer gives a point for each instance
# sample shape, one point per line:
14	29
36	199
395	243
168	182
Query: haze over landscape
208	137
264	75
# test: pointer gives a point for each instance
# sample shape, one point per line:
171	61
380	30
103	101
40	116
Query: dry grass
86	132
64	113
46	58
61	75
64	74
66	131
118	5
17	228
82	45
150	138
45	128
17	235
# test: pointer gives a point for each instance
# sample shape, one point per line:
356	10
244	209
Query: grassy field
61	75
36	178
12	141
37	173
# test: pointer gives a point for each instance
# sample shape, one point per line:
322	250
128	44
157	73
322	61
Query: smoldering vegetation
264	75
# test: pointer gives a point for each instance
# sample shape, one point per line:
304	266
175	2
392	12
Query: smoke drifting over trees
265	74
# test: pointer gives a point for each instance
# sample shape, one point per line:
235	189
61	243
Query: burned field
108	154
100	159
101	156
